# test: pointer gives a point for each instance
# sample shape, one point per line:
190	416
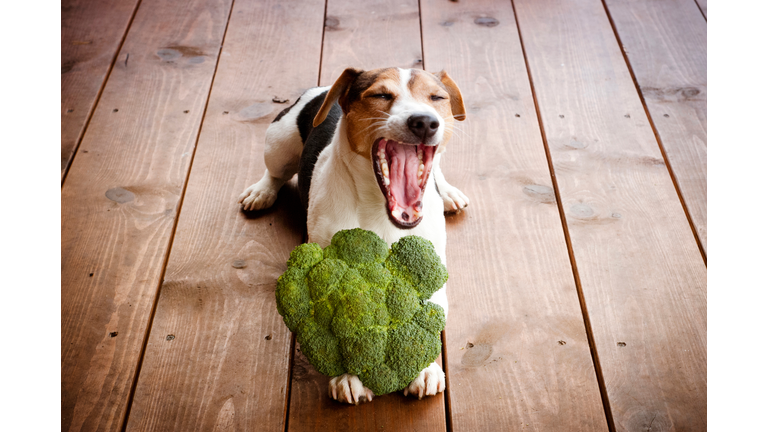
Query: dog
367	152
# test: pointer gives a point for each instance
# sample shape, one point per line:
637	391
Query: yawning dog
367	151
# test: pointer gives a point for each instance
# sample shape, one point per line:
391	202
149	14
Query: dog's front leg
453	199
348	388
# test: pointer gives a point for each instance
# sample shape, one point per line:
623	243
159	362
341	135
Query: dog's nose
423	125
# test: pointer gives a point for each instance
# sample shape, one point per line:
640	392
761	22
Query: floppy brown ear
457	102
338	90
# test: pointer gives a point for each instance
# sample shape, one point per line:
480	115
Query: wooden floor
578	272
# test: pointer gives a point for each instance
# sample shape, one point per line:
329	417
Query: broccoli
360	307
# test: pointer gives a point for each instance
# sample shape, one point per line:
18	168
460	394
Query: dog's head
399	119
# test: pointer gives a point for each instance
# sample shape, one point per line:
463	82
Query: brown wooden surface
643	278
517	345
518	353
666	43
119	203
367	35
228	364
703	6
91	33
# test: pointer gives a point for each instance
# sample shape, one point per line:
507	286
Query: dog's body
344	141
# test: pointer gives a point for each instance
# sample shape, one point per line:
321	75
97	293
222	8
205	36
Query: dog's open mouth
402	171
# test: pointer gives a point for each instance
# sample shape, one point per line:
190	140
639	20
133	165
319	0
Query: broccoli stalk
360	307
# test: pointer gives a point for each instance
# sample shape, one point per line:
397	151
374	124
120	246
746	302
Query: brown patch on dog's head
370	99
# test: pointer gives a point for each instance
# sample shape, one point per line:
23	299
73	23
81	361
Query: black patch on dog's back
315	140
307	115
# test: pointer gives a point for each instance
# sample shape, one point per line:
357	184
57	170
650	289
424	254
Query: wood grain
703	6
119	202
642	276
517	348
368	35
227	366
91	33
666	43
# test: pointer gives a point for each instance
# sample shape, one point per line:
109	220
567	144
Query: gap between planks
135	382
443	349
571	257
704	14
655	133
98	95
292	353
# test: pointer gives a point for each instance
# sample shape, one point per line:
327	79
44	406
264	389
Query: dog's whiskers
377	125
454	128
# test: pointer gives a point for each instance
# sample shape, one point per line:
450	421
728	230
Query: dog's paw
258	196
453	199
430	382
348	388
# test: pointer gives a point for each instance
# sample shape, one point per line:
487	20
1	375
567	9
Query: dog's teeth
420	153
394	213
386	181
421	170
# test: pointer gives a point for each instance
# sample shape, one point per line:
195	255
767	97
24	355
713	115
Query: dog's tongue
403	174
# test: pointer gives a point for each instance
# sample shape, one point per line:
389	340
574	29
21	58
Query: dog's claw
260	195
430	382
348	388
453	199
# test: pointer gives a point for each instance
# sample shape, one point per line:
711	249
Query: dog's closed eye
385	96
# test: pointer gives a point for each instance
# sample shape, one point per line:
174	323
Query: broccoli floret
364	351
431	318
321	348
305	256
325	277
292	295
413	259
381	379
376	274
411	349
402	301
359	307
357	246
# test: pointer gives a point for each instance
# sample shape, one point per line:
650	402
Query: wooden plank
368	35
91	33
517	349
666	43
227	366
703	6
119	203
641	273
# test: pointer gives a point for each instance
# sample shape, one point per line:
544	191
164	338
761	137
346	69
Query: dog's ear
457	102
338	92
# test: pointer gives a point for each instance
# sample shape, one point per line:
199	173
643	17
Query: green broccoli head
359	307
